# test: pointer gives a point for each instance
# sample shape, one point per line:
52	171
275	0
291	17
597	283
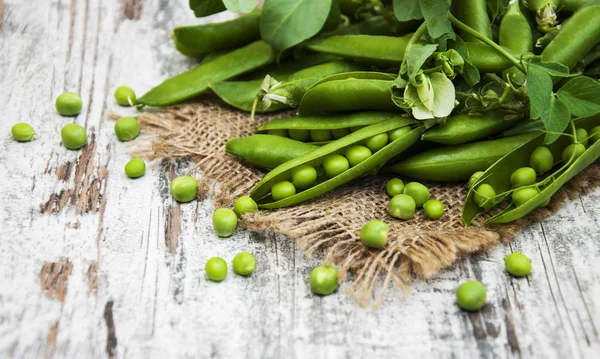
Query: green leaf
285	23
406	10
470	72
552	68
416	55
556	119
435	13
539	88
203	8
244	6
582	96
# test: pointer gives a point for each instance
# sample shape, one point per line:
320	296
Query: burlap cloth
417	248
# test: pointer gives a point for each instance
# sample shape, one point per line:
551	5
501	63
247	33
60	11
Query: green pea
73	136
541	160
574	150
324	280
582	136
418	192
278	132
374	234
216	269
22	132
594	135
135	168
376	142
283	189
523	195
340	132
127	128
517	264
394	187
471	295
321	135
335	164
125	96
524	176
357	154
397	133
474	178
184	189
224	222
299	135
304	176
402	206
244	263
484	195
433	209
244	205
68	104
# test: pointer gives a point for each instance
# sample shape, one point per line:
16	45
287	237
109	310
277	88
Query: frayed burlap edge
417	248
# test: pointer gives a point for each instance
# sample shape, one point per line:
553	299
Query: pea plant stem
462	26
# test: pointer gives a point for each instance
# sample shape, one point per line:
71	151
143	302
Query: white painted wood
159	304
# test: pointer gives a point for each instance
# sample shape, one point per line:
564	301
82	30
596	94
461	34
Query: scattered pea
283	189
517	264
280	132
594	135
471	295
374	234
304	176
68	104
300	135
135	168
324	280
574	150
524	176
433	209
541	160
357	154
340	132
402	206
484	195
216	269
394	187
73	136
397	133
244	205
184	189
244	263
224	222
127	128
320	135
418	192
582	136
335	164
22	132
474	178
125	96
523	195
376	142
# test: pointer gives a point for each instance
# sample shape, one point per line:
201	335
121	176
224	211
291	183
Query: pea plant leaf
556	119
470	73
285	23
552	68
416	55
581	95
539	89
435	13
244	6
406	10
203	8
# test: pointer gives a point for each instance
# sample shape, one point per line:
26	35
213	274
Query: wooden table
93	264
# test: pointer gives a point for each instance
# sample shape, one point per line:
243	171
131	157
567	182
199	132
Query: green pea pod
337	122
572	5
578	36
194	82
498	175
461	128
267	151
352	91
456	163
486	59
515	34
379	25
261	192
376	50
291	92
545	11
199	40
474	14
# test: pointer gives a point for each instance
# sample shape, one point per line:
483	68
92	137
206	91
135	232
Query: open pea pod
262	191
267	151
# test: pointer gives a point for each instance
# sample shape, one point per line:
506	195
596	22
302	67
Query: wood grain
109	267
